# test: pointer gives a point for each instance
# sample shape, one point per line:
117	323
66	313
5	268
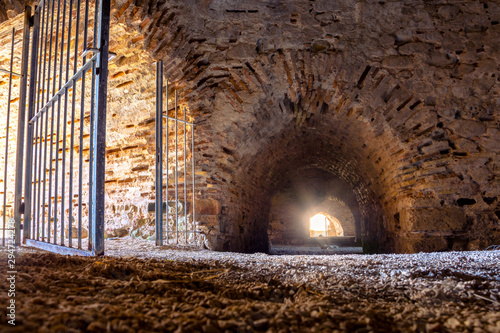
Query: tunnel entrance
324	225
314	212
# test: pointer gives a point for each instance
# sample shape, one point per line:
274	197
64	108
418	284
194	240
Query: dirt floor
187	290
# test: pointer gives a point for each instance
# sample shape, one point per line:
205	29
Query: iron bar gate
179	225
67	127
8	225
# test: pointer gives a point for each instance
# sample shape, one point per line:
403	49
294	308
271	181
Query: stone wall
399	100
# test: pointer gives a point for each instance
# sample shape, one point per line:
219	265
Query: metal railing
66	132
5	204
178	224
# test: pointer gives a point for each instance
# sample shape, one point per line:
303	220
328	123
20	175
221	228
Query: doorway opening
324	225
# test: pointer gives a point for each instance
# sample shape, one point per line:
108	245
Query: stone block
207	207
74	232
242	51
474	245
121	232
466	145
468	128
412	48
448	12
441	59
432	219
398	62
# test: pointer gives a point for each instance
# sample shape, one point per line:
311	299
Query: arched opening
318	226
325	225
313	208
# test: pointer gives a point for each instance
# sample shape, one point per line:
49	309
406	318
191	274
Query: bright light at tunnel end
318	222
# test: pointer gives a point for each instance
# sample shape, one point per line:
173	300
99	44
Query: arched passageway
396	100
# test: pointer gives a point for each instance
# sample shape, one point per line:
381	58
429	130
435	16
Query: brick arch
333	226
340	214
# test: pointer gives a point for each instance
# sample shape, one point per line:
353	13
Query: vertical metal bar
72	135
7	139
29	181
40	102
45	135
50	49
54	80
63	164
70	186
33	186
43	42
185	180
58	111
96	25
86	27
92	126
52	122
100	130
64	123
80	161
176	178
41	204
45	38
62	43
65	100
91	156
56	185
50	172
21	124
38	159
55	48
42	39
194	176
82	114
159	154
168	168
77	34
36	220
70	25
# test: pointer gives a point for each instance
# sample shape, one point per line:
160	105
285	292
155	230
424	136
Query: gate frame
21	124
98	155
159	164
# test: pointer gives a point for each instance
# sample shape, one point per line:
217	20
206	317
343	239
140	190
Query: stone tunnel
320	126
388	110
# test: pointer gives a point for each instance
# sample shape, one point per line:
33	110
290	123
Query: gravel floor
138	287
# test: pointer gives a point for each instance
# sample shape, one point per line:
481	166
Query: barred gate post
44	185
21	123
160	199
98	175
159	154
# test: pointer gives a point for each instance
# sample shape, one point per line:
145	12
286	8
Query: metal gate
9	151
174	220
66	130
